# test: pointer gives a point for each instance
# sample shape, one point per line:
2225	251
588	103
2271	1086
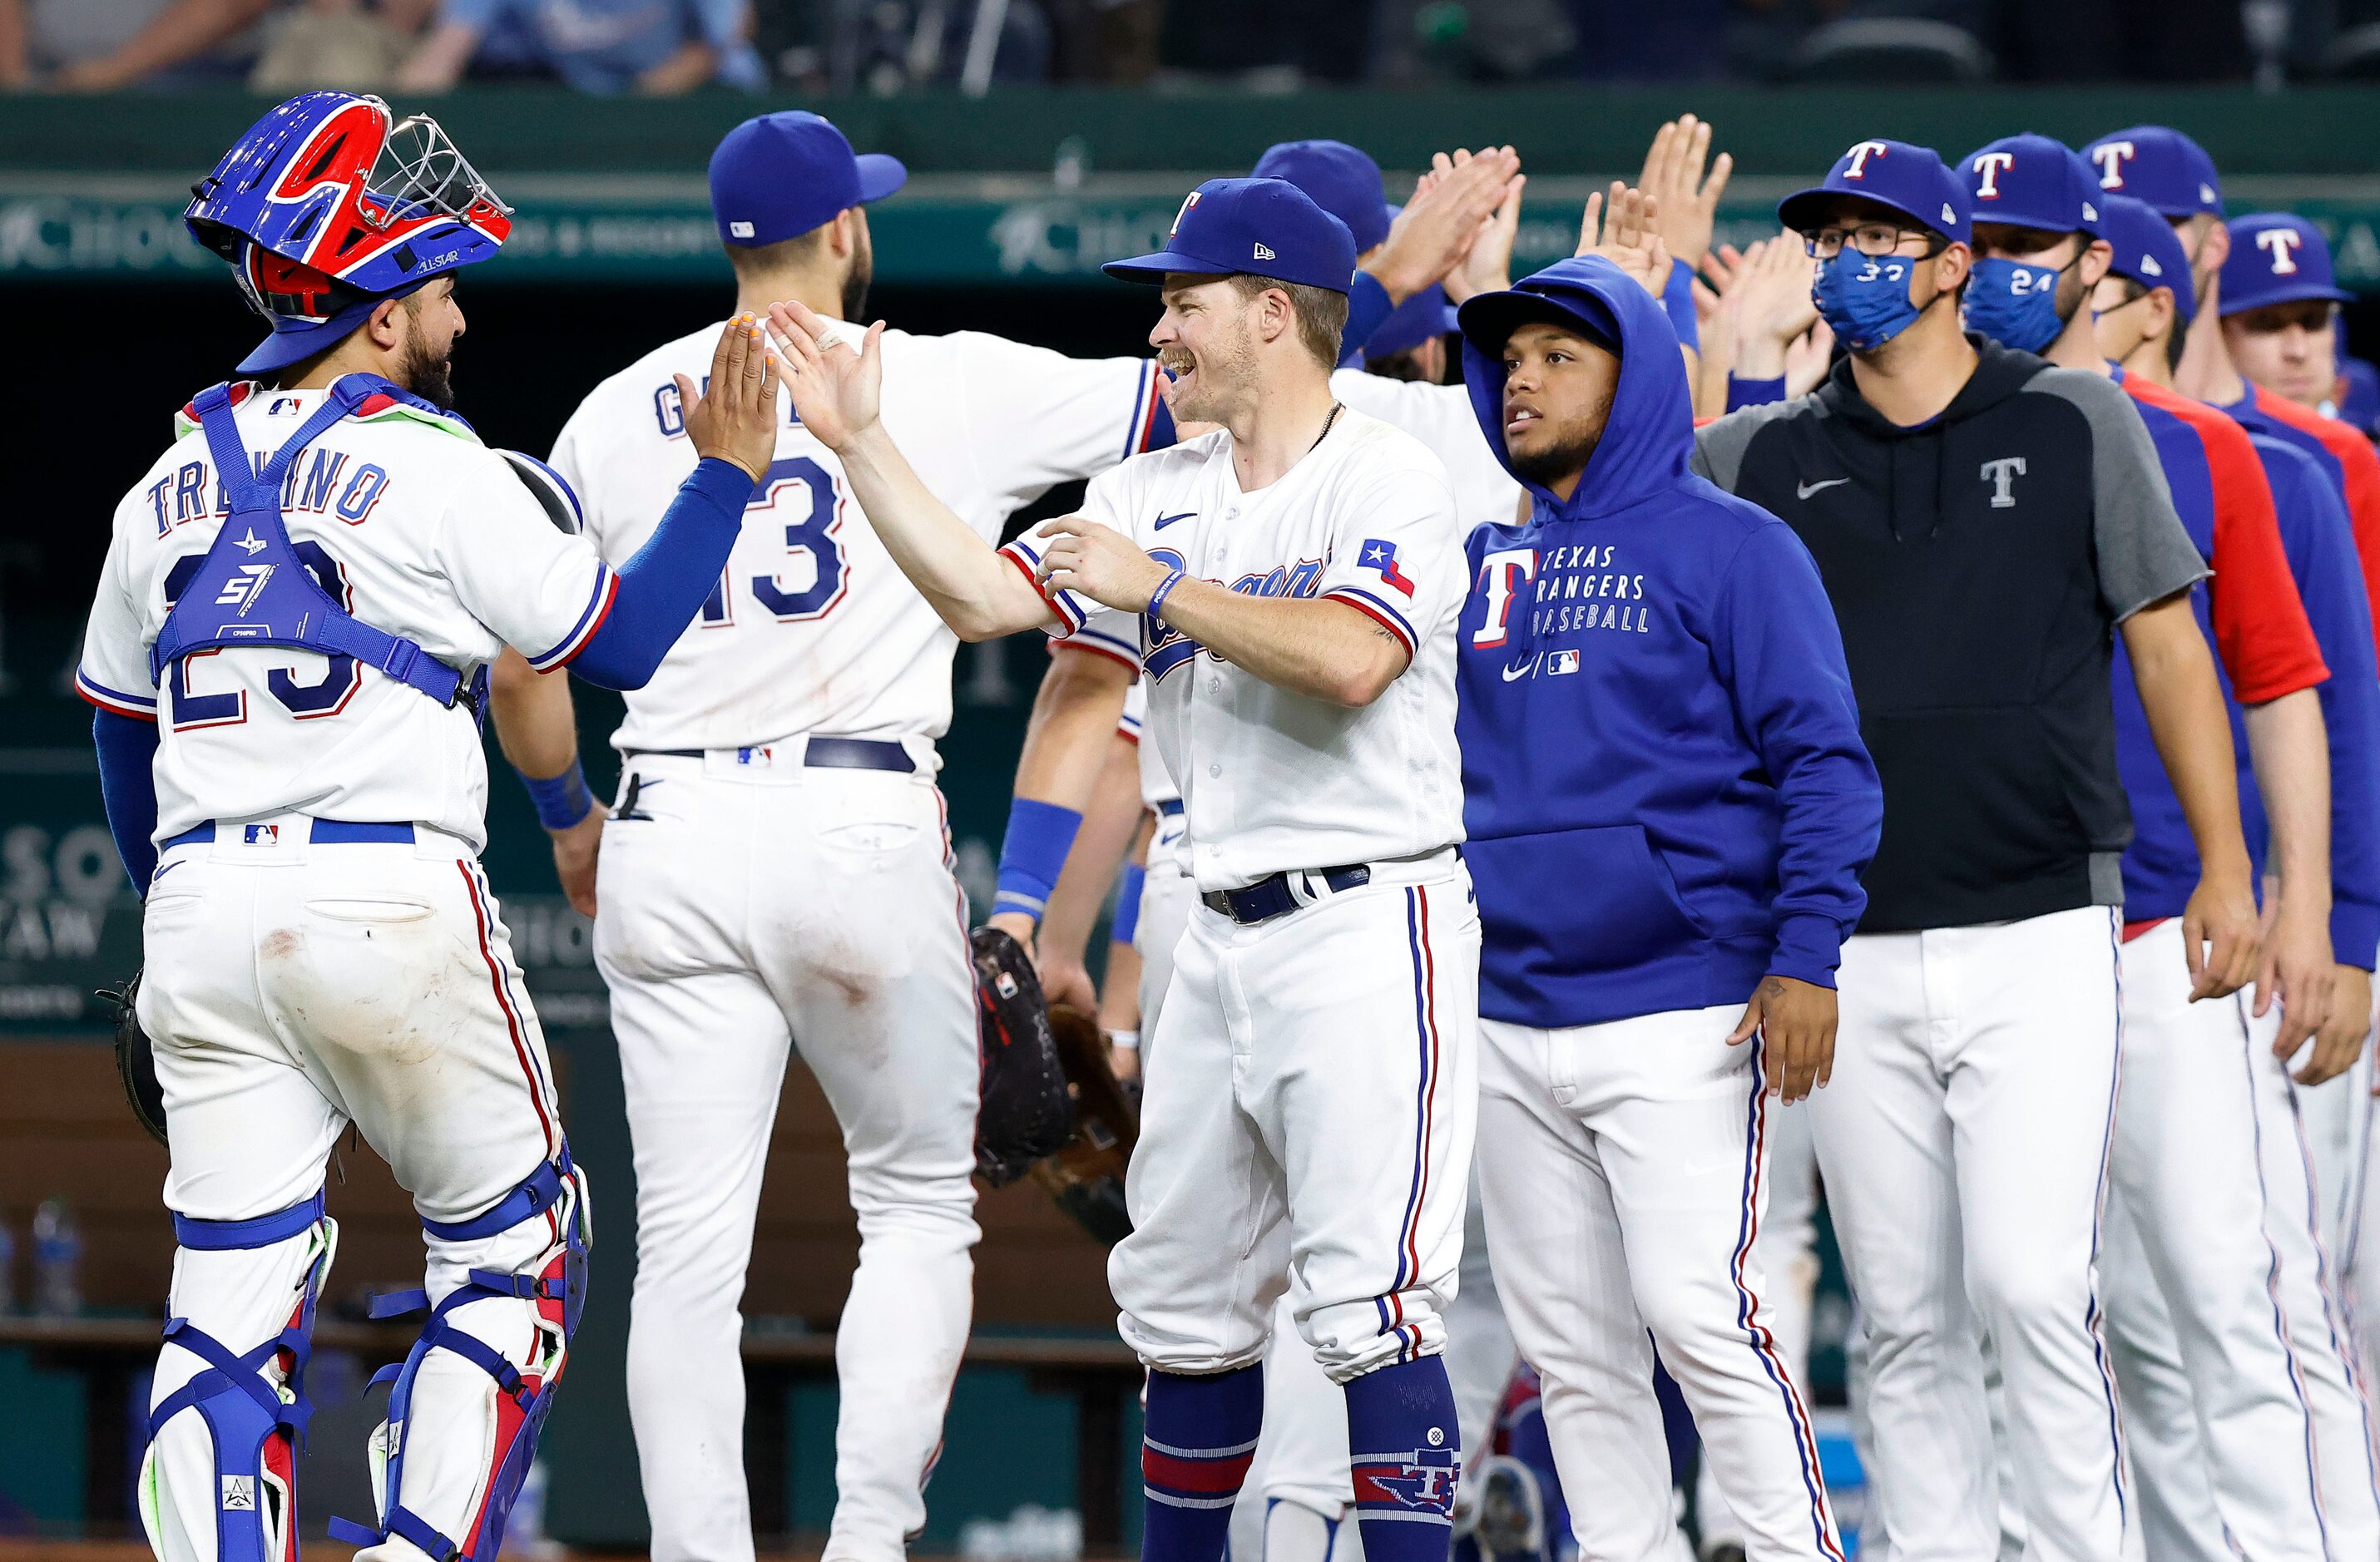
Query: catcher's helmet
327	206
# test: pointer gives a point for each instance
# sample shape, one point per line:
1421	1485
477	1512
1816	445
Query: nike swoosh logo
1164	521
1804	490
1515	674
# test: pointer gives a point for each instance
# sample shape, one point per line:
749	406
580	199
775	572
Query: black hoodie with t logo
1978	564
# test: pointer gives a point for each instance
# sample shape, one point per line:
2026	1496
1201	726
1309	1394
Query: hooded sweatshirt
1665	791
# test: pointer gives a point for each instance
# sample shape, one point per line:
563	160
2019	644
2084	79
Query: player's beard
428	372
855	283
1213	374
1568	454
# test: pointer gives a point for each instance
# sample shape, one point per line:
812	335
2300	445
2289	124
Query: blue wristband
1033	854
1127	912
1744	392
562	800
1164	589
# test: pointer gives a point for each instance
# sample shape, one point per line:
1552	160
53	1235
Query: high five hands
735	419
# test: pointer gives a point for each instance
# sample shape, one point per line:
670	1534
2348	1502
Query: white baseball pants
2295	1219
2338	1122
293	987
1167	899
2186	1168
1307	1118
744	907
1302	1459
1964	1140
1624	1169
1789	1256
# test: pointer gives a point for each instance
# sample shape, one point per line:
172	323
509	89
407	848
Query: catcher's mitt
1086	1175
1024	1115
134	1064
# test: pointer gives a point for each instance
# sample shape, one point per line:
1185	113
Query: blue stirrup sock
1405	1459
1196	1442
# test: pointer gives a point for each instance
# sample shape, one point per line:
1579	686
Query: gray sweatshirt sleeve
1720	446
2144	554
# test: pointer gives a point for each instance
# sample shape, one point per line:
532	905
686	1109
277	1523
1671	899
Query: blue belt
1170	807
322	832
826	754
1269	898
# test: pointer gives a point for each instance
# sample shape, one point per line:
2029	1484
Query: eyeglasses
1866	238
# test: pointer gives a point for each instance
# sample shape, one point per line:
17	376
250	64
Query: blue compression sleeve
1367	306
127	789
1677	303
663	587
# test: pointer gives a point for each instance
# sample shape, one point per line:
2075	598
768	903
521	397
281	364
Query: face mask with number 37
1865	298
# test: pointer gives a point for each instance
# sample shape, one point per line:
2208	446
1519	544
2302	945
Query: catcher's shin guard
247	1399
454	1504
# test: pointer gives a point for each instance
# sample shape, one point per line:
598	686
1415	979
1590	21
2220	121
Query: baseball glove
133	1063
1086	1175
1024	1115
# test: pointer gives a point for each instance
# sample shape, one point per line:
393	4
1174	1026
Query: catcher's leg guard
217	1481
450	1459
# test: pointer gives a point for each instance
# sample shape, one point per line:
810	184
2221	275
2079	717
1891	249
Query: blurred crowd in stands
665	46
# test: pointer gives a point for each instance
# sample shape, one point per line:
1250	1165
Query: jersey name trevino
417	529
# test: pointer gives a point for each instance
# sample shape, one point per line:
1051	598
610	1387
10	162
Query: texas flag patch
1382	556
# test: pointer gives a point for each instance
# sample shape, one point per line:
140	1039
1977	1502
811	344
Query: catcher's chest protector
253	587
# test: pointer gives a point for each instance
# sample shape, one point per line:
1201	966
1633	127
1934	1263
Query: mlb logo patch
1561	662
239	1494
756	756
285	406
1382	556
260	834
739	230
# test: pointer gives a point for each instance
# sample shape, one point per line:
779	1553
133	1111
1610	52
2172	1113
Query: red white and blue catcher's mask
326	206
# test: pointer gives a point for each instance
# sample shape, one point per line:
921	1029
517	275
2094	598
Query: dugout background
109	328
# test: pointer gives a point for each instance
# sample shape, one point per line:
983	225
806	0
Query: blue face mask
2014	304
1865	298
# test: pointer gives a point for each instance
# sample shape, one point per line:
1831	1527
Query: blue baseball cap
1260	227
2148	249
2163	167
785	174
2278	258
2032	182
1341	179
1420	318
1911	180
1553	296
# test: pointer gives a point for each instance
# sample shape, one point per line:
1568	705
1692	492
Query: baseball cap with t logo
1909	179
1260	227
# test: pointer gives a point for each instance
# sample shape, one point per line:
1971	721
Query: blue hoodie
1665	792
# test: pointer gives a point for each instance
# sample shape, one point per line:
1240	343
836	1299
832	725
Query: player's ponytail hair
1322	313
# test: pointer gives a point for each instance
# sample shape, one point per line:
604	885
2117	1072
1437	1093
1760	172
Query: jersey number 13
800	488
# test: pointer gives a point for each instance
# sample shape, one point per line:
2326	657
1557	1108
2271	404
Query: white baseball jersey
420	530
1441	416
1157	788
813	627
1273	780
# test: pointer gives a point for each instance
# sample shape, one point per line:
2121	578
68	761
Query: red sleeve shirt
2259	625
2360	465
